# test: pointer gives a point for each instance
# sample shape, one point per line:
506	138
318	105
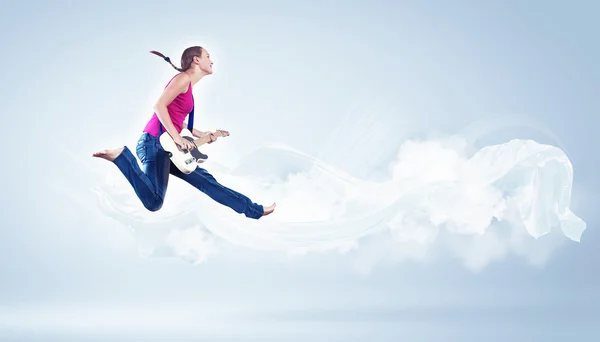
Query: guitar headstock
221	133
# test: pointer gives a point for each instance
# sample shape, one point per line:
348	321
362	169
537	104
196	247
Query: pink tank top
178	109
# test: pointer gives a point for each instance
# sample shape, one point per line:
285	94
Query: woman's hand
216	134
184	143
212	138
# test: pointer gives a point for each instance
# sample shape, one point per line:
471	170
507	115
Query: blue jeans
150	181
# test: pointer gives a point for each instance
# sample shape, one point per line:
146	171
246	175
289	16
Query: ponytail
166	59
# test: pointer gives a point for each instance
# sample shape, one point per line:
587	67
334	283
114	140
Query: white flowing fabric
432	186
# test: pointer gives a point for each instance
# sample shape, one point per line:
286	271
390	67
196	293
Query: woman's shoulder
180	78
180	81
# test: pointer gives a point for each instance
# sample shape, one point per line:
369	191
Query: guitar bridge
190	160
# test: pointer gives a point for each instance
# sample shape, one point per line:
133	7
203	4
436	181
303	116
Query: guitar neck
201	141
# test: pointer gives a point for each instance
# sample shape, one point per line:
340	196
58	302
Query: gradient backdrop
346	82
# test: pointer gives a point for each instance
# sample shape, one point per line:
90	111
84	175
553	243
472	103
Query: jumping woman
173	106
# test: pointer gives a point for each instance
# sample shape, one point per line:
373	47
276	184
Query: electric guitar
186	161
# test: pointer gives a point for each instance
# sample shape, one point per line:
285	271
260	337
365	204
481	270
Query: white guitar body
185	161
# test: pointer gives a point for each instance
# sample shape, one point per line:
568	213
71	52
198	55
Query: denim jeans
150	181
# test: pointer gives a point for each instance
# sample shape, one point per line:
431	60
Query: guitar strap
191	120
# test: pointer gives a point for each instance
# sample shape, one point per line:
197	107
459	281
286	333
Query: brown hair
186	57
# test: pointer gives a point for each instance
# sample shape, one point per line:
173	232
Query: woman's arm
199	134
195	132
177	86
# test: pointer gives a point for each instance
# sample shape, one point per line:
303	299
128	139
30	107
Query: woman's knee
153	204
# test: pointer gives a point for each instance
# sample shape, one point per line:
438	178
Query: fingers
186	145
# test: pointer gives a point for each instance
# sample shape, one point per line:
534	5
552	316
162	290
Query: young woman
174	104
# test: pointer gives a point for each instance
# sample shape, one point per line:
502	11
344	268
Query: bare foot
269	209
109	155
